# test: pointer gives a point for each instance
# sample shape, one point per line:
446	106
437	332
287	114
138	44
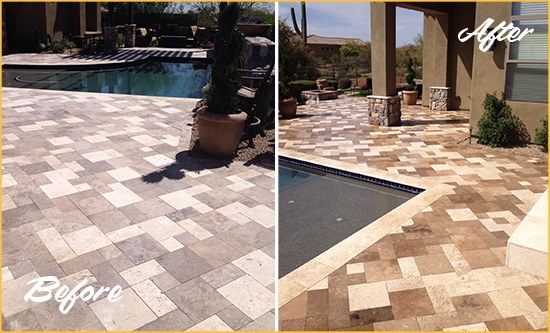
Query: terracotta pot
220	134
410	97
287	108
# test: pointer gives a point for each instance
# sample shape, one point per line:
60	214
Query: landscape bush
344	83
307	84
541	135
497	126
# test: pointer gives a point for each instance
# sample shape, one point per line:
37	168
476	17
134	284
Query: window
527	66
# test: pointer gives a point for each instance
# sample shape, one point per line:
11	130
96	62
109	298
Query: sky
350	19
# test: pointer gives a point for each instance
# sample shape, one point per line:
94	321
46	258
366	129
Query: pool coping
309	274
155	54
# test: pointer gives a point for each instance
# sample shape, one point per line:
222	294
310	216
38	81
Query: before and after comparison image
274	166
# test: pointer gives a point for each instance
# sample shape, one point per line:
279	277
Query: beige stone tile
367	296
6	274
440	299
58	189
213	323
259	266
232	209
158	160
161	228
13	293
122	174
7	203
479	327
462	214
154	297
323	284
513	302
249	296
57	246
261	214
179	199
121	196
142	272
408	267
355	268
171	244
195	229
412	282
538	320
74	279
126	314
124	233
86	240
8	180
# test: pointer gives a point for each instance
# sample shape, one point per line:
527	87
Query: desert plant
411	75
344	83
541	134
497	126
57	43
226	79
303	32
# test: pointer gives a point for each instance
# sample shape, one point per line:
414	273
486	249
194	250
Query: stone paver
445	267
87	195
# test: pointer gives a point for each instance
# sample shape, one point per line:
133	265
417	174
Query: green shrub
541	135
328	78
307	84
342	75
497	126
333	83
57	43
344	83
410	76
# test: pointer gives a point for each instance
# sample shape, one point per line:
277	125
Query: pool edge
306	276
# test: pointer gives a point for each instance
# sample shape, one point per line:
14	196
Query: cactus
302	32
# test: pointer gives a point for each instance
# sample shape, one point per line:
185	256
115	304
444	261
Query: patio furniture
254	99
173	41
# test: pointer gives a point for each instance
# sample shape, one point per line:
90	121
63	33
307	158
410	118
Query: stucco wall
489	74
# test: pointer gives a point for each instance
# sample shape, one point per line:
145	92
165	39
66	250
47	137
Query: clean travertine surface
445	266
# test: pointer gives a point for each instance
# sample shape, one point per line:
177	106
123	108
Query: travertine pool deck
99	186
124	56
443	267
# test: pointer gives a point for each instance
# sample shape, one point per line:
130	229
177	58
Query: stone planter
250	29
220	134
410	97
288	107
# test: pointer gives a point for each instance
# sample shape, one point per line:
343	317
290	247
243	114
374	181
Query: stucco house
26	23
462	72
326	47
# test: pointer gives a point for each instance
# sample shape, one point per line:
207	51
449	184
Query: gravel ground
263	153
527	149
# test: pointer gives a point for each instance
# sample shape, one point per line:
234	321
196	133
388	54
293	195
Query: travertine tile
249	296
126	314
368	296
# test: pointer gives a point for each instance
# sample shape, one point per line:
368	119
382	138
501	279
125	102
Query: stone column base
111	40
129	35
439	98
384	110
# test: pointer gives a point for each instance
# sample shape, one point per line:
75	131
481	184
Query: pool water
318	210
168	79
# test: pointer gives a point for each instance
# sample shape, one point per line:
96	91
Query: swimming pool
318	209
153	78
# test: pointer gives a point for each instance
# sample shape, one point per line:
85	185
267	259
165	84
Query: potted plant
252	26
410	95
221	123
287	104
